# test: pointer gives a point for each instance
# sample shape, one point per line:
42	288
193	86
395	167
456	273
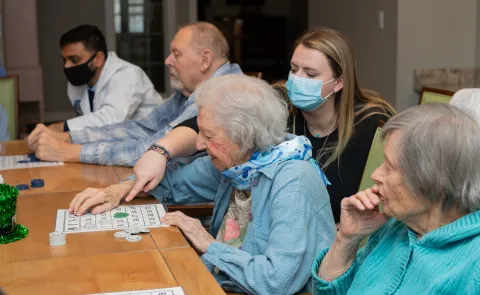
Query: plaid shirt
124	143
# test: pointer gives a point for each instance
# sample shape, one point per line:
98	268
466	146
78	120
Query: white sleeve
124	94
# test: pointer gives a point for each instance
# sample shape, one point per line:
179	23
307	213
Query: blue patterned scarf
298	148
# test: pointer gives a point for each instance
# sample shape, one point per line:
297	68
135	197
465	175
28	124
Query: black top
345	173
190	123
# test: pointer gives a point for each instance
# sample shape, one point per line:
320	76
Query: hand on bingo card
98	200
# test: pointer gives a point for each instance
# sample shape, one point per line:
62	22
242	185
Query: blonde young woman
332	110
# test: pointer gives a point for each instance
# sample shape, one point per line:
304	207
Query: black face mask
81	74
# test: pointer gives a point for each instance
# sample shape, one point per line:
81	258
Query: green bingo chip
120	215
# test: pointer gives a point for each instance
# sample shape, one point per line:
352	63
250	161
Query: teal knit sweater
395	261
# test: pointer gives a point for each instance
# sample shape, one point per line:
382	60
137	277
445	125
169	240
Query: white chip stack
57	238
130	233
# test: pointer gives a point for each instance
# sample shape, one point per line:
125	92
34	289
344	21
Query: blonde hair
342	62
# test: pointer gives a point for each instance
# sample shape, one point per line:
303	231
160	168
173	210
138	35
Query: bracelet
161	150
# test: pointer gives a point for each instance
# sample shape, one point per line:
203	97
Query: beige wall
55	18
477	46
433	34
375	49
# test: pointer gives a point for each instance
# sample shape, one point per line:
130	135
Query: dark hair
91	37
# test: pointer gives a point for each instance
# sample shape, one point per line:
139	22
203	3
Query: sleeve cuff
338	286
214	253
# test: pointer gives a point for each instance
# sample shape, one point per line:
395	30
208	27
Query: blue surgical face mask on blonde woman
305	93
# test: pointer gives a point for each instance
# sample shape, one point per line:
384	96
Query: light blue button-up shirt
291	221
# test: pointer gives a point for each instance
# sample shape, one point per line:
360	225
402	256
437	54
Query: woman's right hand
149	171
360	216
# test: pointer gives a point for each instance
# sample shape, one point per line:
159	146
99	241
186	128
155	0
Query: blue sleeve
473	285
340	285
196	182
157	119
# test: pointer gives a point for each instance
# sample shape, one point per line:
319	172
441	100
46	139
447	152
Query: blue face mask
306	94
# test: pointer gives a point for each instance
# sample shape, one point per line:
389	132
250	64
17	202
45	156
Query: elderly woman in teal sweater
427	239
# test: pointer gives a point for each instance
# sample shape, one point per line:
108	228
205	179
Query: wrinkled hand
100	200
149	171
57	126
191	228
360	216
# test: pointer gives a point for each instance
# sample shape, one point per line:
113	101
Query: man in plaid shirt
198	52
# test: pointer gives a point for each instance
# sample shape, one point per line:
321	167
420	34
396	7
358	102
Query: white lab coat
123	92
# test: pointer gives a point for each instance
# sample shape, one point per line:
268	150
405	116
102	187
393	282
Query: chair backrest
429	95
374	160
9	97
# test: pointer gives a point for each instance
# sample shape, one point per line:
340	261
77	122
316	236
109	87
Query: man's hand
48	148
40	130
59	127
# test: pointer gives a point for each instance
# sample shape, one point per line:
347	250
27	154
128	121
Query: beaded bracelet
161	150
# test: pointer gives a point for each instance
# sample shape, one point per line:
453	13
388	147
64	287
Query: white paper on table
147	216
166	291
11	162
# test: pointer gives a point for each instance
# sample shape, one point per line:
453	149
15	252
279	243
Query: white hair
468	99
248	109
439	154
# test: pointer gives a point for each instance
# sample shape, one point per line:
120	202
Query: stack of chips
130	233
57	238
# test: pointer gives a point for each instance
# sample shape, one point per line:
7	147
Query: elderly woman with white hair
427	239
272	210
468	99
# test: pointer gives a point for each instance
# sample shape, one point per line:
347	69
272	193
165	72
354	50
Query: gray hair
205	35
248	109
469	101
439	154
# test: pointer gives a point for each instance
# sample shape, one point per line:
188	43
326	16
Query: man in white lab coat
102	88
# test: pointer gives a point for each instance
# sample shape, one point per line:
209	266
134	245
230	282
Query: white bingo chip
132	230
144	230
133	238
121	235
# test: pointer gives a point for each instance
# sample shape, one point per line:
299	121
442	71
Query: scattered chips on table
22	187
36	183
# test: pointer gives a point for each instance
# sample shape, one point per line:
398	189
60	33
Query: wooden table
96	262
90	262
69	177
